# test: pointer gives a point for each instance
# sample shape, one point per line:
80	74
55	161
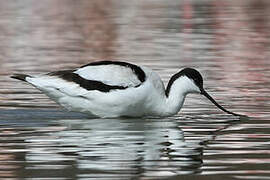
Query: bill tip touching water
114	89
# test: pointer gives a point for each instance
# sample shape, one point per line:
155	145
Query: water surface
227	41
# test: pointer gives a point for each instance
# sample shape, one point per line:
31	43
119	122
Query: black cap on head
191	73
194	75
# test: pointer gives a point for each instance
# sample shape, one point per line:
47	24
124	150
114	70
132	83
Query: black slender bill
203	92
20	76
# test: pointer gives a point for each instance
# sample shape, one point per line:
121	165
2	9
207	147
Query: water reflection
105	148
117	147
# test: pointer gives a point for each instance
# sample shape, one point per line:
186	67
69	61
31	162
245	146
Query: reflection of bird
113	89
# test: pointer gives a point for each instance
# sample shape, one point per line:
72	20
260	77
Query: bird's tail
20	76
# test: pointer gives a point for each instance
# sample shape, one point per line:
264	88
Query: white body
139	99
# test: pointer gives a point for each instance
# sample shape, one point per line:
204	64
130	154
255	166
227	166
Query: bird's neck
176	92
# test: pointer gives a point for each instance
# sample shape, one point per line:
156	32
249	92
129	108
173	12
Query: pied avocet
114	89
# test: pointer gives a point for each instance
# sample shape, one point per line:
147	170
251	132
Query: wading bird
114	89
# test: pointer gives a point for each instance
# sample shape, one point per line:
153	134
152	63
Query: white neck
176	95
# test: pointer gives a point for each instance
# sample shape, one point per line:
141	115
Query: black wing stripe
69	76
136	69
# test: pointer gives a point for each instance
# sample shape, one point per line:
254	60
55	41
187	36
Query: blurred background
226	40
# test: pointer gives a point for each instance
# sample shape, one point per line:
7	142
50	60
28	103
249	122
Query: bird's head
192	82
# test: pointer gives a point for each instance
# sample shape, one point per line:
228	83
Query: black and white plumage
114	89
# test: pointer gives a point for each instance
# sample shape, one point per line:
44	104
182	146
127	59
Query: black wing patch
68	75
136	69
